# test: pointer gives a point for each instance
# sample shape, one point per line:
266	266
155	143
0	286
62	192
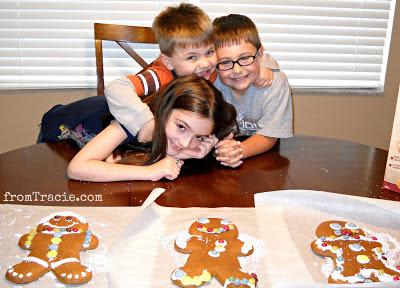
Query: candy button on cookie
197	280
186	280
52	253
55	240
179	273
363	259
206	276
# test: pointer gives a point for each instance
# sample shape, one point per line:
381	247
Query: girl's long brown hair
190	93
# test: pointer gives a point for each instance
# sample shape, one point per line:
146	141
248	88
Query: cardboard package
391	180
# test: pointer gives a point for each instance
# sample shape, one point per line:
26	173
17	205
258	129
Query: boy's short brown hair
233	29
184	25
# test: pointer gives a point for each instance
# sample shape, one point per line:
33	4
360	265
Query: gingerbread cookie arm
190	244
90	241
245	250
23	240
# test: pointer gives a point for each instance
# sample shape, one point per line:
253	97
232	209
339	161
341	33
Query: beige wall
365	119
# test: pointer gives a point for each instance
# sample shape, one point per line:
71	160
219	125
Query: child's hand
228	152
200	151
265	78
168	168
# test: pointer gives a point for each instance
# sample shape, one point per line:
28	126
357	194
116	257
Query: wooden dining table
37	175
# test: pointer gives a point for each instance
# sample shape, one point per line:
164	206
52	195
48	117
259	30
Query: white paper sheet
136	243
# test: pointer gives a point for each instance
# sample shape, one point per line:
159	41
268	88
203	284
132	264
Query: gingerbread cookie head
214	228
356	257
338	228
64	221
55	246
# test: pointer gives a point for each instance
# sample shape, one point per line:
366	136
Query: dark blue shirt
79	121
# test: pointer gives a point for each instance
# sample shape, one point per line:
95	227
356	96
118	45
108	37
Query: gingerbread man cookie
213	247
55	246
357	258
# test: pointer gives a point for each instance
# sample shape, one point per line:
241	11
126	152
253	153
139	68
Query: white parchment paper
136	243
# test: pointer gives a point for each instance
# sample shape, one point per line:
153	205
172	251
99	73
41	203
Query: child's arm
257	144
124	97
266	77
127	107
88	164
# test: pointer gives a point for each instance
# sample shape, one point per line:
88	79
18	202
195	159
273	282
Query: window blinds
318	43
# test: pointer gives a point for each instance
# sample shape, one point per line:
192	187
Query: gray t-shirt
267	111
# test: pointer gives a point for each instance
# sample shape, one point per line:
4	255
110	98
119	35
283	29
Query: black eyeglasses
244	61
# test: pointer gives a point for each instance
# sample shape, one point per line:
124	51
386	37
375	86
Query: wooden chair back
122	35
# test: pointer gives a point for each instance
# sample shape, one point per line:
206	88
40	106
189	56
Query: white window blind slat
320	43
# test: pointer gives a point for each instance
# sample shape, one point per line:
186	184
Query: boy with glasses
263	115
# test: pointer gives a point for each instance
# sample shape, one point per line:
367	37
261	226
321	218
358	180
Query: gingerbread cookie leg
180	277
30	269
71	271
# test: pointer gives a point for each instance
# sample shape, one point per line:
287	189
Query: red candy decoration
209	230
254	275
356	237
324	244
374	238
398	267
396	278
226	227
199	226
220	241
75	229
50	229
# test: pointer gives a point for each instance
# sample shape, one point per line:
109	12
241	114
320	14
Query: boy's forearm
257	144
126	106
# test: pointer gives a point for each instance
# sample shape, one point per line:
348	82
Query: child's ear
261	53
166	61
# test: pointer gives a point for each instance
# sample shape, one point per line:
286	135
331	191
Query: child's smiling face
239	78
200	61
186	130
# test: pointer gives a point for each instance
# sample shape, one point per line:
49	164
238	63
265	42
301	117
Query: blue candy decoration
53	247
179	273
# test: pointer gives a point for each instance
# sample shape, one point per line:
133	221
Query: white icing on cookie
36	260
215	255
63	214
335	226
356	247
225	222
63	261
203	220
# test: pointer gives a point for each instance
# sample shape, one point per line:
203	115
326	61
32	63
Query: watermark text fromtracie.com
36	196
